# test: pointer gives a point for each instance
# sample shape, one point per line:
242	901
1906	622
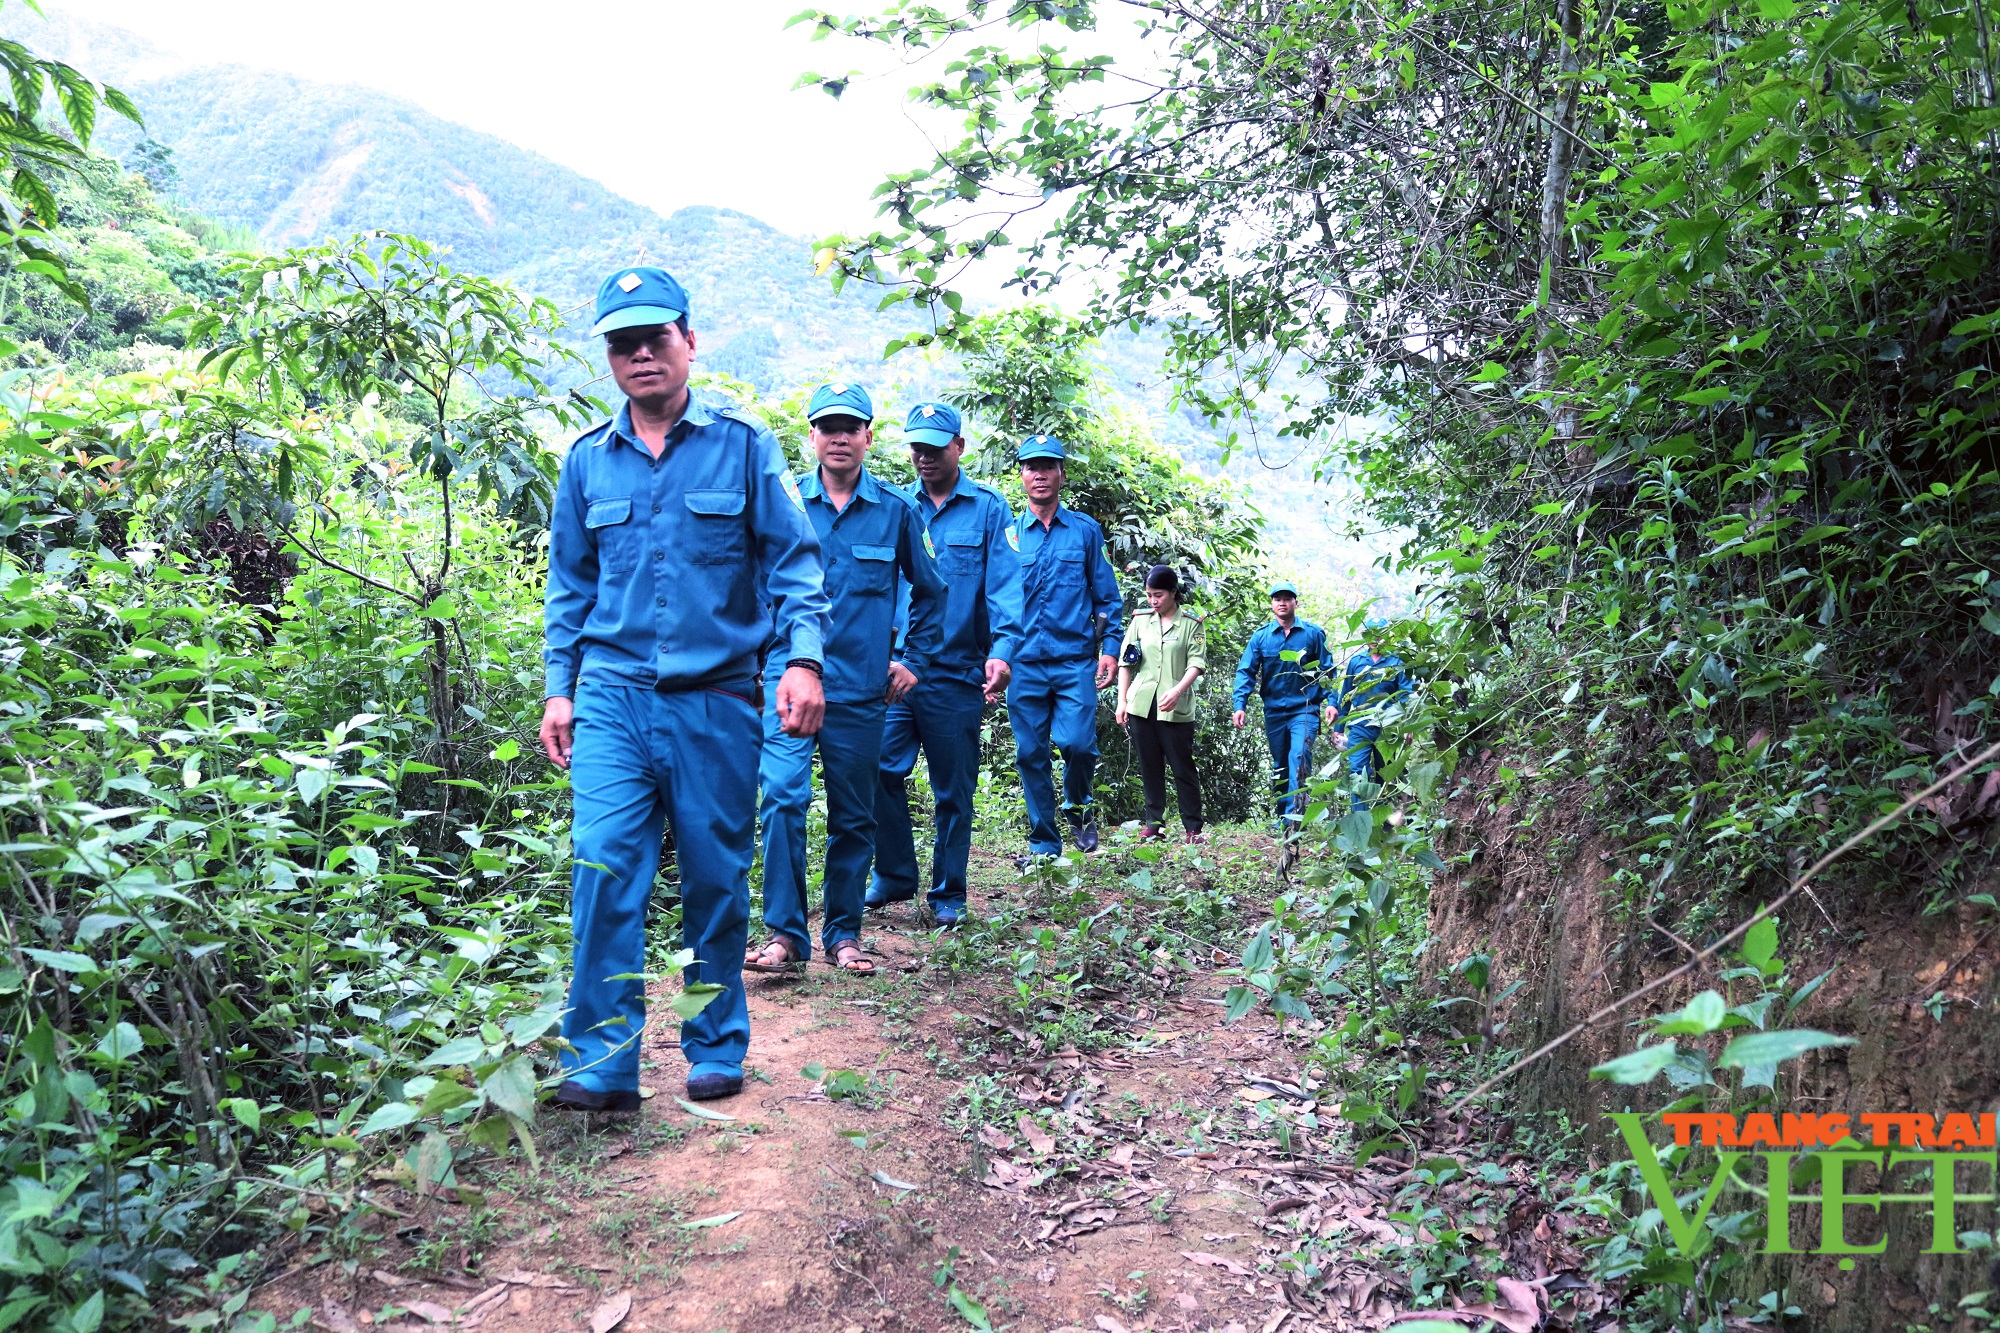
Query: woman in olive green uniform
1164	653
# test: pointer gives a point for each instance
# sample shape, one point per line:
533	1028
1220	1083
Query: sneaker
1084	826
573	1096
1196	836
1150	833
709	1081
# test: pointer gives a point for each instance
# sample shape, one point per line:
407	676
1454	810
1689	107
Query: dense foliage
1684	316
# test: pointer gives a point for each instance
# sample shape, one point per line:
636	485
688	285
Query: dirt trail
923	1193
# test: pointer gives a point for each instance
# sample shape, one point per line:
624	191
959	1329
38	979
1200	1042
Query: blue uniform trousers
1363	759
942	716
642	757
1053	703
850	748
1291	737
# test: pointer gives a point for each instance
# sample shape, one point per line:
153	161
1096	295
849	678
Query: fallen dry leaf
334	1318
996	1138
1109	1325
1121	1155
1216	1261
1271	1324
431	1311
1039	1139
388	1279
1524	1296
611	1313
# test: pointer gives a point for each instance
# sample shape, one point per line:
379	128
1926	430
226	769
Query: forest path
936	1179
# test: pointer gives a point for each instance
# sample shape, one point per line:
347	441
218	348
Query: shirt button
659	555
656	509
659	601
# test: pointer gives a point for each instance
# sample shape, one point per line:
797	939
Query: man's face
938	464
1284	606
841	442
1042	479
650	363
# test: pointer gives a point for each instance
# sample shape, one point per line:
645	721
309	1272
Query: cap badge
929	411
629	282
836	388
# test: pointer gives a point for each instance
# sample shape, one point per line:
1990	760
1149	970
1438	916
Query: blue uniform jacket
1286	684
973	535
1368	687
1069	596
872	550
673	573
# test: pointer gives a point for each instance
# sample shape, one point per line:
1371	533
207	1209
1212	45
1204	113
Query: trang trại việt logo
1799	1150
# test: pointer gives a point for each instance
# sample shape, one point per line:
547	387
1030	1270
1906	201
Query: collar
698	414
867	487
1028	519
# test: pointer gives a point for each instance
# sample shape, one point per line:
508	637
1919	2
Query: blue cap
933	425
1284	588
1040	446
1375	622
633	298
840	400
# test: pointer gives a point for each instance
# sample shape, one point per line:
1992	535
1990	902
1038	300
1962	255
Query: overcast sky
665	101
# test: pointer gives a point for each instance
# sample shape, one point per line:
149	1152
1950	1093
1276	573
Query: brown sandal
847	957
788	959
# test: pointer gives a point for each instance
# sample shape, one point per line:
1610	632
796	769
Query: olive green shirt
1168	651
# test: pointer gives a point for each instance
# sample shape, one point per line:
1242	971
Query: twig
1990	752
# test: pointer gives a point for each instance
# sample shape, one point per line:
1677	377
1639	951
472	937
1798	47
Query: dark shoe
1196	836
707	1087
1149	833
947	914
1086	833
575	1097
873	899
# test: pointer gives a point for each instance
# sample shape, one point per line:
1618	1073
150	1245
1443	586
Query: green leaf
62	961
1491	373
694	998
312	782
973	1312
121	1043
444	1095
511	1087
246	1111
1704	1013
457	1051
1761	943
1641	1066
389	1115
703	1112
1770	1048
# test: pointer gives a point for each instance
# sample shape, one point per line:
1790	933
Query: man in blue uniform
1284	663
869	537
972	532
1073	618
1369	688
676	543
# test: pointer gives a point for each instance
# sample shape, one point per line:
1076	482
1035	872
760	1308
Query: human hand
801	702
558	729
1122	714
901	681
997	674
1107	667
1239	717
1170	700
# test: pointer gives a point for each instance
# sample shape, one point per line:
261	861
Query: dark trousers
1160	745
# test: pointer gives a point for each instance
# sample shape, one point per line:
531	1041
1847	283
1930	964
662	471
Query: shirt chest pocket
609	523
965	553
874	571
1065	570
715	534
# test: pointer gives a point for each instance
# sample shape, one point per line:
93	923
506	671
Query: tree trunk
1554	228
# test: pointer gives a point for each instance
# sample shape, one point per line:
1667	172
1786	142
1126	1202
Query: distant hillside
292	161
